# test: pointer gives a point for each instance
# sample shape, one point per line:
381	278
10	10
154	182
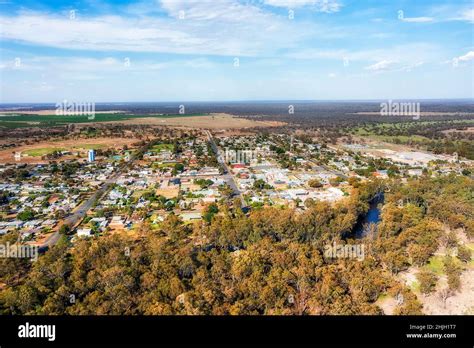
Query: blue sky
204	50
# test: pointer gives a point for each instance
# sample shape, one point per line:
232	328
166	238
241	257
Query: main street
80	212
227	172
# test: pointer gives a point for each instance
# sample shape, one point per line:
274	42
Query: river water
372	216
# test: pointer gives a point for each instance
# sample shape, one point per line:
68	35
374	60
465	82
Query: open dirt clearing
468	130
7	155
213	121
462	302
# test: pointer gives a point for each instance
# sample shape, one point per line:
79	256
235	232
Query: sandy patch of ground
462	236
168	192
467	130
461	303
374	146
409	277
213	121
387	304
7	155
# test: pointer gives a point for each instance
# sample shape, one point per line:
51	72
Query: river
372	216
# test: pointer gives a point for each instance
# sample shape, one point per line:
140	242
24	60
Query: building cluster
120	192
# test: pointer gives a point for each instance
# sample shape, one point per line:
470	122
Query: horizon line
247	101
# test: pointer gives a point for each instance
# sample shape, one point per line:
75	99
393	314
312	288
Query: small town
89	193
243	172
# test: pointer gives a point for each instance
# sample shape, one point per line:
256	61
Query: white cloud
468	15
79	68
410	67
406	56
468	56
327	6
391	65
44	87
219	10
417	19
465	15
446	13
225	28
381	35
457	61
313	53
381	66
100	33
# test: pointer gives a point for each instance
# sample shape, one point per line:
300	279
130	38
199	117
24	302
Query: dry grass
213	121
42	147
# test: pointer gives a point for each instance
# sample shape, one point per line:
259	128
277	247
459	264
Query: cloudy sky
205	50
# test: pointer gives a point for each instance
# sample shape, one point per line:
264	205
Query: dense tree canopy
270	261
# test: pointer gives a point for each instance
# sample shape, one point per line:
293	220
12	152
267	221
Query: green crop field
42	151
89	146
27	120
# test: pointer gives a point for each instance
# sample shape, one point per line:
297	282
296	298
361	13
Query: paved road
80	212
228	177
77	216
